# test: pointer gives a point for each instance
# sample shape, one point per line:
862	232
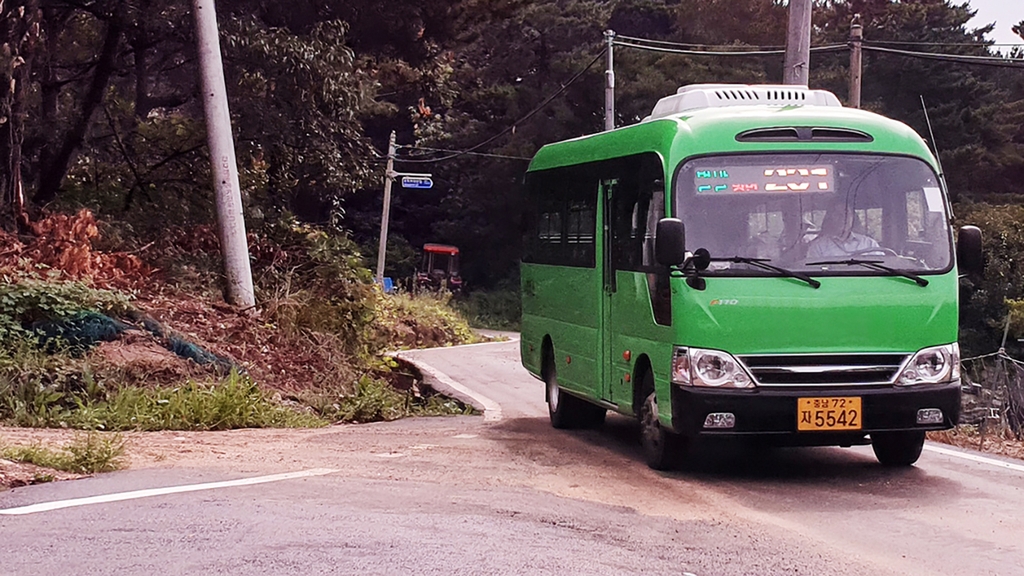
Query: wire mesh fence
993	397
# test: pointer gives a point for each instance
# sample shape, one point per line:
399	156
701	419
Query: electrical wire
687	45
756	52
950	44
512	126
429	149
958	58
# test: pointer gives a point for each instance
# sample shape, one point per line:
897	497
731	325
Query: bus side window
559	220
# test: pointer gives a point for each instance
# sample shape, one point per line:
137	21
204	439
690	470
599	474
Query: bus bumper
773	412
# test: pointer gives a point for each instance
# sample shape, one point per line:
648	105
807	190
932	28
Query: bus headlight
934	365
708	368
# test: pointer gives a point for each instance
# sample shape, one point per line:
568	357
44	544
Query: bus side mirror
968	251
669	247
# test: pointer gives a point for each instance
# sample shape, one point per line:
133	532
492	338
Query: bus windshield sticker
765	179
933	197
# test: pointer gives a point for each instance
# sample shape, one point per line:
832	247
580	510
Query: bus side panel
634	329
564	304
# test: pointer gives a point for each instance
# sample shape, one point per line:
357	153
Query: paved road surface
469	496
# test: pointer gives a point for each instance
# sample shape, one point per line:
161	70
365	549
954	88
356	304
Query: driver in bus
837	238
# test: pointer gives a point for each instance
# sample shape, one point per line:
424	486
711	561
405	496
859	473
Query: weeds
420	321
86	454
236	402
33	299
499	309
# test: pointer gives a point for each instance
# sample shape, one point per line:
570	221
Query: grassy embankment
103	341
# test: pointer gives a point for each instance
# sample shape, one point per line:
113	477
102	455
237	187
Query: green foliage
373	400
298	93
25	301
86	454
317	283
984	305
498	309
69	397
420	321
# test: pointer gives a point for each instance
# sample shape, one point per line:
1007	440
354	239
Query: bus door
636	300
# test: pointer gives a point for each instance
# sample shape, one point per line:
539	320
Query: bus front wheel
897	448
661	447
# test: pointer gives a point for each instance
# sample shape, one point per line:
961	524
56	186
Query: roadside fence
993	399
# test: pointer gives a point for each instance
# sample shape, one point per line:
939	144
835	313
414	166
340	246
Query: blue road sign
417	182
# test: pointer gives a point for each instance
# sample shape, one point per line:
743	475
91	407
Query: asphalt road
471	495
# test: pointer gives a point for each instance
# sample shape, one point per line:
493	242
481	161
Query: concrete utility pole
609	82
856	38
231	223
389	174
798	43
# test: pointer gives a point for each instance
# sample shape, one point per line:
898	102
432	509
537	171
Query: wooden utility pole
609	82
856	38
798	43
230	221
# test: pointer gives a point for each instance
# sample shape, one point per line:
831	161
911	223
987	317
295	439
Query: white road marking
974	458
104	498
464	436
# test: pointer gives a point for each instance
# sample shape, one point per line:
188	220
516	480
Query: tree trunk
21	38
53	174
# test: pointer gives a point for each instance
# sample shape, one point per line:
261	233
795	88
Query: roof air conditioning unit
699	96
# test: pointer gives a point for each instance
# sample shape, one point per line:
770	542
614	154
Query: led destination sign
764	180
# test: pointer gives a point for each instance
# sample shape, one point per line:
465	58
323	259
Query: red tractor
439	269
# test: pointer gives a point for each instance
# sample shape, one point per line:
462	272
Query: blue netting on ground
201	356
79	333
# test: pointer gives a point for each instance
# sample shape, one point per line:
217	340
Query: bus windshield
820	214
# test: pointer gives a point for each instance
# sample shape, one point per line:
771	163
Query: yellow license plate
833	413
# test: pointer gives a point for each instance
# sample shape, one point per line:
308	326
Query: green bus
751	262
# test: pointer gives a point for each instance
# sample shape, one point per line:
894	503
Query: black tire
662	448
565	410
897	449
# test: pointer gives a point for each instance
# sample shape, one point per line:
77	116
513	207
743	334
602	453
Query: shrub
86	454
419	321
27	301
498	309
984	304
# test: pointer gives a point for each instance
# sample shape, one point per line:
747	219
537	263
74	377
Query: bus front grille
824	369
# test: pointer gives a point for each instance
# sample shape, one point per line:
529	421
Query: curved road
483	495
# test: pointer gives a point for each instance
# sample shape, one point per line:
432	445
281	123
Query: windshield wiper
876	265
763	264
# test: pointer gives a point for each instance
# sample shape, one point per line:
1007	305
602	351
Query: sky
1005	14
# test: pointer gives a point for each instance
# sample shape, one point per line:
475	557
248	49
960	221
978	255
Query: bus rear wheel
661	447
897	449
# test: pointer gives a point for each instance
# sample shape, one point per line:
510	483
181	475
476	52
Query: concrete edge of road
444	384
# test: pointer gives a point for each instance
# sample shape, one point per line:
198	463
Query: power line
695	46
958	58
512	126
429	149
756	52
951	44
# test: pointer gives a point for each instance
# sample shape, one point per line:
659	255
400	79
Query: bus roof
715	130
